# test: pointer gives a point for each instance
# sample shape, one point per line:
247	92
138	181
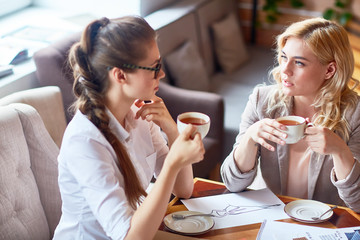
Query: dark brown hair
104	44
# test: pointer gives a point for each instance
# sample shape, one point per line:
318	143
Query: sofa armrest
180	100
48	103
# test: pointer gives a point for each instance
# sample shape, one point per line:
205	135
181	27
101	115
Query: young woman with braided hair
113	146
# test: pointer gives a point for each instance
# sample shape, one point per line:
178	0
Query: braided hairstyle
109	43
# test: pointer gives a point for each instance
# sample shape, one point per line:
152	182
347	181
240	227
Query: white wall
98	8
8	6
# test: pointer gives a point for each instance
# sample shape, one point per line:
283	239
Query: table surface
343	217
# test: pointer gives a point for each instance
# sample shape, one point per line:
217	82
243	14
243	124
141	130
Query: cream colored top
299	159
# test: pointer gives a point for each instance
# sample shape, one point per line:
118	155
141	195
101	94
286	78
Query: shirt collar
123	134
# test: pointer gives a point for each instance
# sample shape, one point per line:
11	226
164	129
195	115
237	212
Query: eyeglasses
156	69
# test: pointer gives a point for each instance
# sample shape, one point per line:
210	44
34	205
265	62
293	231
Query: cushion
187	68
229	44
43	158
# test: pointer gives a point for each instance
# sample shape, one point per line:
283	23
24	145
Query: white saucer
304	210
189	226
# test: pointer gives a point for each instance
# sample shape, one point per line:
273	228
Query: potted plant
340	12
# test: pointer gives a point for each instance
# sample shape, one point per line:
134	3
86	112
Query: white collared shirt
91	185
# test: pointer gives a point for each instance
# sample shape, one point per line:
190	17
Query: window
8	6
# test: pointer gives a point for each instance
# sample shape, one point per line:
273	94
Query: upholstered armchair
52	70
32	125
30	202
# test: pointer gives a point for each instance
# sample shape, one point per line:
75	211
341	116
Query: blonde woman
315	65
113	146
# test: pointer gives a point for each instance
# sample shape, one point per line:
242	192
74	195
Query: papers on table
12	54
272	230
21	44
237	209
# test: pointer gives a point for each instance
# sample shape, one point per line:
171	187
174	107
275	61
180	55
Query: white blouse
94	204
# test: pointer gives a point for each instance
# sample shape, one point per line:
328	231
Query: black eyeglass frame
156	69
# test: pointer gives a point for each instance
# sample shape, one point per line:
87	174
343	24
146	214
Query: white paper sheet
272	230
239	208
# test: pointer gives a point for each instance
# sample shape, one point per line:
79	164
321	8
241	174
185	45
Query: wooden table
343	217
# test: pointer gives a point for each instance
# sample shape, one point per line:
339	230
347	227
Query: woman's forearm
184	183
343	162
172	134
148	216
245	153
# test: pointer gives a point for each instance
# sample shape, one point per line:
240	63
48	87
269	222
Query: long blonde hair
329	42
109	43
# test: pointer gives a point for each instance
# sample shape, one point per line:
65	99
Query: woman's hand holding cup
200	120
283	130
187	149
295	128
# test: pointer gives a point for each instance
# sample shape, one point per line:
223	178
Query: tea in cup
295	128
200	120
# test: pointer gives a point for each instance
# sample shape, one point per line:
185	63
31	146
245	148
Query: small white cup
295	128
200	120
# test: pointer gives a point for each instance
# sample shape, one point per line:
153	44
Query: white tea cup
200	120
295	128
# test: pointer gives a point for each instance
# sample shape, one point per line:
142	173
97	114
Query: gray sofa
193	21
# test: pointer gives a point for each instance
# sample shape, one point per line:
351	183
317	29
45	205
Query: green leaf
297	3
340	4
271	19
265	7
329	14
274	8
270	7
345	18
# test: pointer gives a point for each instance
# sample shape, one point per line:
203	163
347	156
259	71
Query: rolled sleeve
349	188
233	178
